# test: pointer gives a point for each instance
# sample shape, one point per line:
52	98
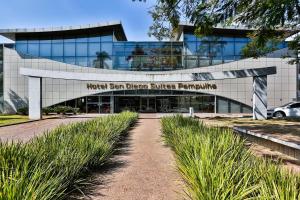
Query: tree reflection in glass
101	58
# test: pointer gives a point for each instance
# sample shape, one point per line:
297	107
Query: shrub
22	111
48	166
215	164
60	110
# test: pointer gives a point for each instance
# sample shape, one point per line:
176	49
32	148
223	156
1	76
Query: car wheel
279	114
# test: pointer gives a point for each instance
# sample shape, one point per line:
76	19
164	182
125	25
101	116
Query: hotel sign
151	86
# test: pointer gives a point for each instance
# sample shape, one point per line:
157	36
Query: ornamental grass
51	166
215	164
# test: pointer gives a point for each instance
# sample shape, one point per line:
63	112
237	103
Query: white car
288	110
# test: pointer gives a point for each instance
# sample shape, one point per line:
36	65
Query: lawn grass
215	164
55	164
12	119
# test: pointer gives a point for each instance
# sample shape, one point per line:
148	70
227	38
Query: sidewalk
145	168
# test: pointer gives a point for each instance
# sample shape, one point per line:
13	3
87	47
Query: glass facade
1	79
88	51
163	101
102	51
212	50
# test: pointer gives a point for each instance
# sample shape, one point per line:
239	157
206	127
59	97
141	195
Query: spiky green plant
215	164
47	166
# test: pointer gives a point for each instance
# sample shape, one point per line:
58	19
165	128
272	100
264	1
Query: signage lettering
152	86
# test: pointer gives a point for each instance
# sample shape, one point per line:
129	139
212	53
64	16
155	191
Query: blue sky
49	13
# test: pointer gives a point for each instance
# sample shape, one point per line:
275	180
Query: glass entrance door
147	104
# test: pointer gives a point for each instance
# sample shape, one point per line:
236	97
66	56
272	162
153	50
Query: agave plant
215	164
48	166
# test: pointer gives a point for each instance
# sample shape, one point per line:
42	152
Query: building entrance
148	104
165	104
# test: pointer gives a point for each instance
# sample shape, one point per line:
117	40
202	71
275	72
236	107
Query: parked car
291	109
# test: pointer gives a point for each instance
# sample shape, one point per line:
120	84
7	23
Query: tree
270	20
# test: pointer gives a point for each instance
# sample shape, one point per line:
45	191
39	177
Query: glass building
103	49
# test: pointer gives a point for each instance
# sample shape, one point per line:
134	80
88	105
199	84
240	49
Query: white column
35	97
260	97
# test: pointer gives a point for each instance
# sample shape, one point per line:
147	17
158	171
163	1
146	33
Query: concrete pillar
35	97
112	104
260	97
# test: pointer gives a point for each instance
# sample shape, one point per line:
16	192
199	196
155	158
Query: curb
289	148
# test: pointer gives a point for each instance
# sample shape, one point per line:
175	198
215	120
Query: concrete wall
281	87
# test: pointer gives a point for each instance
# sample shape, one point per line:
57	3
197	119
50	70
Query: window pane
69	60
222	106
228	49
33	49
82	61
94	48
106	47
81	49
106	38
22	48
238	47
235	107
189	37
70	40
94	39
69	49
45	50
191	48
57	49
82	39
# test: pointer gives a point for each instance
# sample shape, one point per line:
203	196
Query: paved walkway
144	168
24	132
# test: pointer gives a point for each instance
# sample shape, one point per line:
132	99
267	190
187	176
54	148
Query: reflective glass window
33	49
69	49
235	107
223	106
94	39
70	60
82	39
106	38
21	42
69	40
228	39
203	48
216	49
189	37
81	49
57	49
45	41
59	59
238	47
82	61
106	47
228	48
241	39
191	48
45	50
94	48
22	48
93	62
57	41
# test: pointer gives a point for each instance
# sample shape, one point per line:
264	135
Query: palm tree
101	57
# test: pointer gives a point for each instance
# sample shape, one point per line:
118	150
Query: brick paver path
145	168
24	132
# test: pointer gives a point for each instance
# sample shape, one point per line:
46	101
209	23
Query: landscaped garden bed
51	166
215	164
